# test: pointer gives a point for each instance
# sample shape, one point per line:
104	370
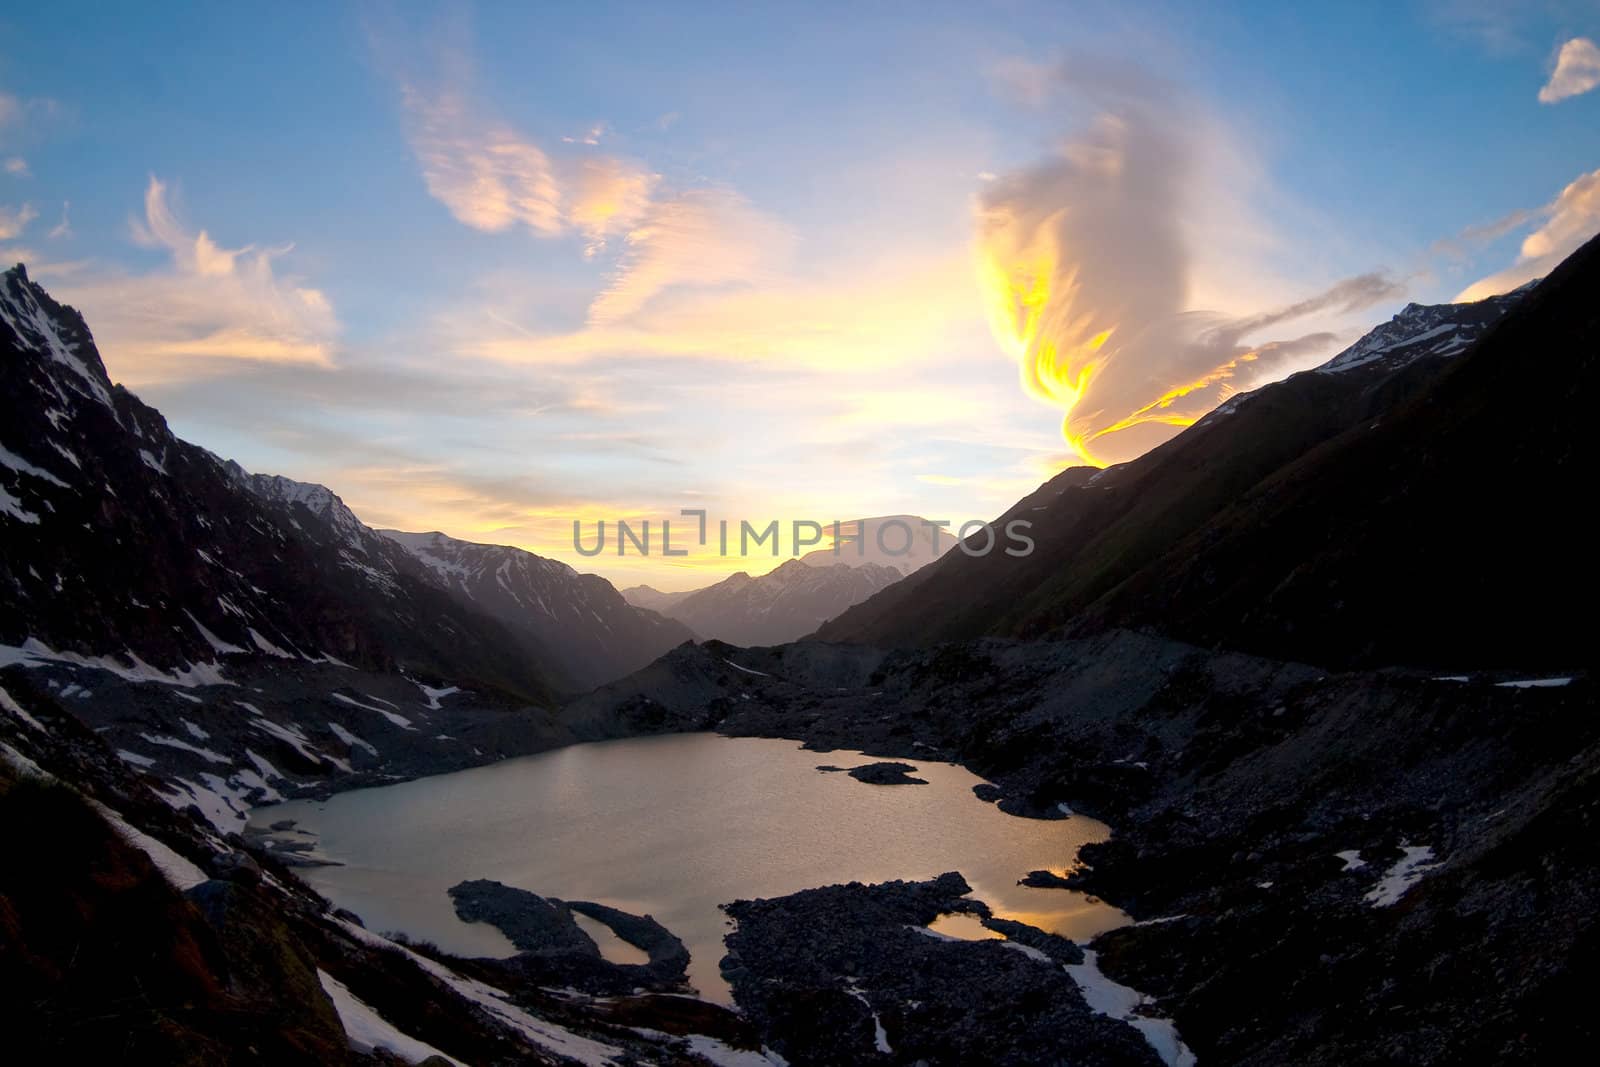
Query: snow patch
267	646
433	694
1120	1002
546	1035
34	653
724	1055
349	738
1028	951
217	806
1406	872
16	709
217	644
399	720
180	873
369	1031
10	459
880	1036
11	506
173	742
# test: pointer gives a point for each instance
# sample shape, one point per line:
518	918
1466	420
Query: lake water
672	827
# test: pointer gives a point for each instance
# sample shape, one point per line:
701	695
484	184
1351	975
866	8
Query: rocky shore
553	950
1236	787
851	974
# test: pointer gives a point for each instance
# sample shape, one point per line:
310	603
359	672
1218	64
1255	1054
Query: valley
1293	776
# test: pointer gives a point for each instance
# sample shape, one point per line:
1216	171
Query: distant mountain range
905	542
785	604
788	603
1396	505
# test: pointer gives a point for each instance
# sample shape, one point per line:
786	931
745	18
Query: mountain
584	632
245	637
121	538
652	599
904	542
782	605
1396	505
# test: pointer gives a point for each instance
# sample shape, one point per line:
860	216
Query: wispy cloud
14	220
1576	72
489	177
1087	263
1569	220
605	196
208	306
704	237
17	167
494	177
885	312
63	229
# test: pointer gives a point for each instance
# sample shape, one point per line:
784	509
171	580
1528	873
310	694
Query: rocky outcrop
850	974
886	773
552	949
1045	880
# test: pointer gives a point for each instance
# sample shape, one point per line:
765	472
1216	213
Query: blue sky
490	269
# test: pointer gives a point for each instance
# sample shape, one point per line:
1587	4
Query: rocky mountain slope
123	540
784	604
136	932
243	637
584	632
1397	506
1366	867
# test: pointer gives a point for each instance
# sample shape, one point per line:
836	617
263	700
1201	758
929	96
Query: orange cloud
1570	219
1577	71
212	305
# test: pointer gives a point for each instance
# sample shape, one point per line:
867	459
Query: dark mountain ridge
1391	507
123	540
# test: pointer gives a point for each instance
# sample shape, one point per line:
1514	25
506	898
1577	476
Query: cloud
21	118
62	229
704	237
210	306
1569	220
17	167
14	220
1577	71
1086	263
492	177
591	136
888	311
606	196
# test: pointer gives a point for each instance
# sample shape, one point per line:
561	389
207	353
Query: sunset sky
491	269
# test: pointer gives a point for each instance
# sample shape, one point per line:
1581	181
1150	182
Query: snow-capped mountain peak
1421	331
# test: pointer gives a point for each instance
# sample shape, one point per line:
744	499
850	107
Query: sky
494	269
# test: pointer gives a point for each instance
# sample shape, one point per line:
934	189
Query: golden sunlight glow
1156	411
1058	354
